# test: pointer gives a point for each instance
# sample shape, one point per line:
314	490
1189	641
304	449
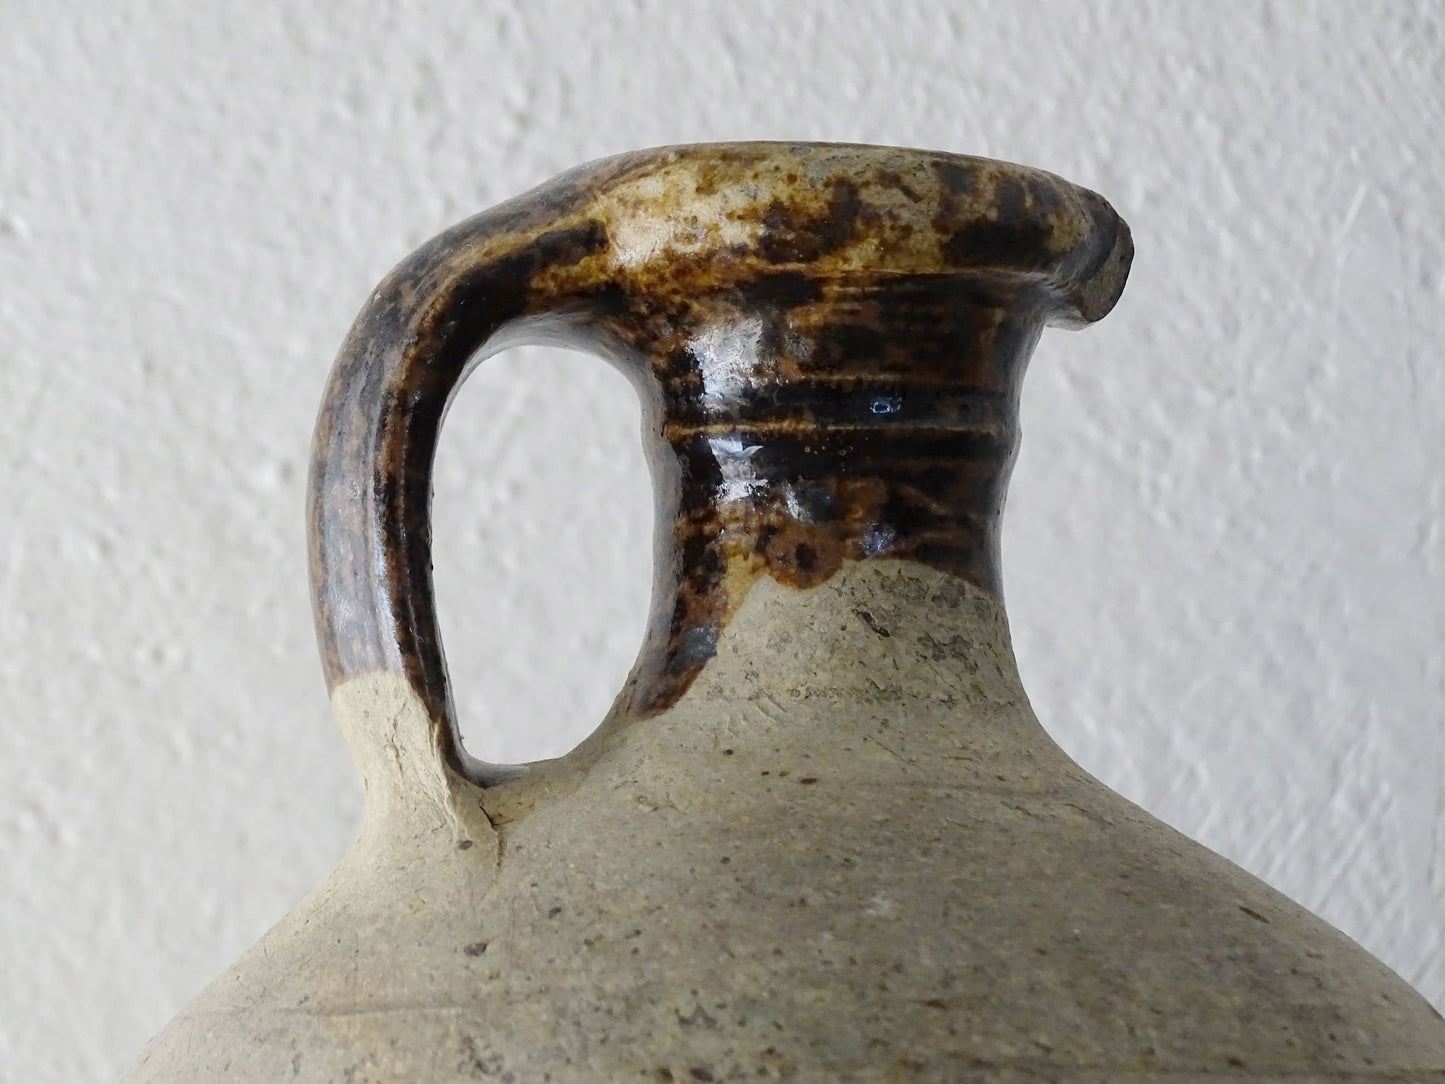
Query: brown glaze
828	341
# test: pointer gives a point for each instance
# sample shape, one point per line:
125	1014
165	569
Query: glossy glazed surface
828	340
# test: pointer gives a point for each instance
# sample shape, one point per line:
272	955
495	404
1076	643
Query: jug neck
794	427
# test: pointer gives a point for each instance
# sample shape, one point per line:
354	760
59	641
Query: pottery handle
576	260
423	328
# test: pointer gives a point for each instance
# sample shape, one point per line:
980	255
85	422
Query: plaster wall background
1223	553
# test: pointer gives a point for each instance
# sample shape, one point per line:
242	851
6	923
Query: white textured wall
1224	548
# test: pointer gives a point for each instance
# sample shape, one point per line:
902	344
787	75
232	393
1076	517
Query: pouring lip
801	147
730	211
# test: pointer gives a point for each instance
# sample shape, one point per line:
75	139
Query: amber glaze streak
828	341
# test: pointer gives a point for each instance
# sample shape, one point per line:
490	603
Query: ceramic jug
821	835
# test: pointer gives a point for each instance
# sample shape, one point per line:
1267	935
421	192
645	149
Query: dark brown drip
832	375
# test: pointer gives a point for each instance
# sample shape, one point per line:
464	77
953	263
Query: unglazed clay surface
849	853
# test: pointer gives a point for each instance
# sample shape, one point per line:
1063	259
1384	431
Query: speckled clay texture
849	853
